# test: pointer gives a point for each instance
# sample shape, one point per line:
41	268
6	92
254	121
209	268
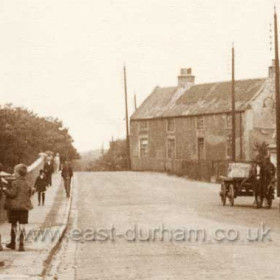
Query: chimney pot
186	79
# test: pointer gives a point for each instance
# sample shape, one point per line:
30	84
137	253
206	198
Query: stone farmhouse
187	129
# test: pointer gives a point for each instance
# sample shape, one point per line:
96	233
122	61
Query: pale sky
64	58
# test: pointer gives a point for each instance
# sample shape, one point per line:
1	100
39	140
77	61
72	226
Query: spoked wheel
269	203
259	201
223	194
231	194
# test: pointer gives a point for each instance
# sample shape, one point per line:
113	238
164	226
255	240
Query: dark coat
41	184
18	195
269	172
48	168
67	172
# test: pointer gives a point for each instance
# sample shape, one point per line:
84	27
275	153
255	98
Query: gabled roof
210	98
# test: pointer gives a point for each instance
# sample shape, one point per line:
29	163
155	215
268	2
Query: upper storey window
170	125
144	125
200	122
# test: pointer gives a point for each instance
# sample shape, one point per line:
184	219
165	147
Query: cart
239	183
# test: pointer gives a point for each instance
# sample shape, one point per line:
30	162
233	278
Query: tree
23	135
115	159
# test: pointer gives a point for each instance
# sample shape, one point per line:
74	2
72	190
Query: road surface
130	225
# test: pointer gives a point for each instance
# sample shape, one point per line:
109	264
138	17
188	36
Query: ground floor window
171	148
200	149
228	121
144	147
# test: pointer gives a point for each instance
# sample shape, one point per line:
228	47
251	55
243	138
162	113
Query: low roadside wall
204	170
33	171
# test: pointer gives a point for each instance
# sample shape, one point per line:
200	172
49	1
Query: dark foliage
115	159
23	135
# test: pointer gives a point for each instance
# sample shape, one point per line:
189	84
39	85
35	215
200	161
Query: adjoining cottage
177	128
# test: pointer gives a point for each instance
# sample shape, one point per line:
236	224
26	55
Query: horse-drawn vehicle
241	182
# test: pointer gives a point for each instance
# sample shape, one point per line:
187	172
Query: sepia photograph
139	140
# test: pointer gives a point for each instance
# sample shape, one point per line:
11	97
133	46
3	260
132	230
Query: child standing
18	204
41	187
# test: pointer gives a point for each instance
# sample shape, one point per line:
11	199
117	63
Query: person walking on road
41	187
67	174
18	203
49	169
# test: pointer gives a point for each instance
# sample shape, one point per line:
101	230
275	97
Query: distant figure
41	187
262	174
257	177
1	191
18	204
67	174
49	169
57	163
270	171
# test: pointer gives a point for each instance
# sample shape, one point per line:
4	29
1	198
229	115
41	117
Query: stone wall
208	171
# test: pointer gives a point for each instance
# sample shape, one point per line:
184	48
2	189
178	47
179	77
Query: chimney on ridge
186	79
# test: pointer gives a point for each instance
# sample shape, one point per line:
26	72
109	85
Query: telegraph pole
135	102
277	101
102	150
127	120
233	105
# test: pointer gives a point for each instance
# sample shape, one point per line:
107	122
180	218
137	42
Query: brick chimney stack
186	79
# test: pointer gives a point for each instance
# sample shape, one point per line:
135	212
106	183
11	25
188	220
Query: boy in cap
18	204
41	187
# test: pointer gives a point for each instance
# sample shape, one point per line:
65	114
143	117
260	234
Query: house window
144	147
200	122
228	121
200	149
170	125
229	147
144	125
269	103
171	148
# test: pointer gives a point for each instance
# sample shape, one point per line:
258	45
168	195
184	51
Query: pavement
47	224
152	200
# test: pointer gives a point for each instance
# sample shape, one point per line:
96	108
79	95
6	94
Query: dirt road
155	226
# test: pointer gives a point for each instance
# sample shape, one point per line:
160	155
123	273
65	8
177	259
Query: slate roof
210	98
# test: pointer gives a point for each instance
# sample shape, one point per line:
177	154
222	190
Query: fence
33	171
